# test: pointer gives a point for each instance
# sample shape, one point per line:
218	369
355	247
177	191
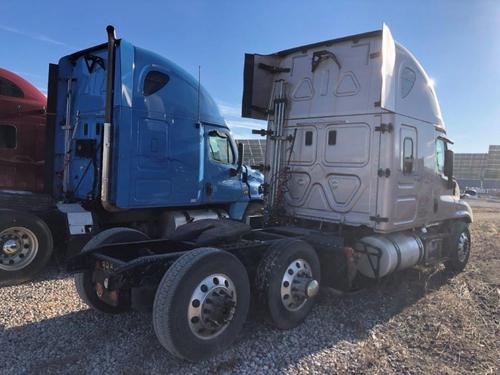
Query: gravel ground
413	322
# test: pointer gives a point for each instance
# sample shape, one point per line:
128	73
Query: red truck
26	240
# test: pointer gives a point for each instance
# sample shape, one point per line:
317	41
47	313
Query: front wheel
201	303
459	246
287	281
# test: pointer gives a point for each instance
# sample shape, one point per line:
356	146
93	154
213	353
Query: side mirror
239	164
448	168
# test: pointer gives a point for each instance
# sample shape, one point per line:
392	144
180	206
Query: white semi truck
358	184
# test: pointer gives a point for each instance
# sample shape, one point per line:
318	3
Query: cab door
222	182
408	177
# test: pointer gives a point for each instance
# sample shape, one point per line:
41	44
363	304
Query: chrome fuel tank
379	255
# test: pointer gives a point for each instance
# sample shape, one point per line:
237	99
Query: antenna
199	89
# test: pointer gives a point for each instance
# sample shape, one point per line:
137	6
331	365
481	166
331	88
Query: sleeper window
7	137
309	138
332	137
8	88
154	82
408	78
408	155
220	147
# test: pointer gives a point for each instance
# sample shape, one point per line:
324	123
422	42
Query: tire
273	272
26	245
459	246
83	280
176	295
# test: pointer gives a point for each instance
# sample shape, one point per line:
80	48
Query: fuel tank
174	219
380	255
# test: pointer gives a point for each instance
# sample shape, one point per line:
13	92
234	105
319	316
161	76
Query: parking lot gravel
417	321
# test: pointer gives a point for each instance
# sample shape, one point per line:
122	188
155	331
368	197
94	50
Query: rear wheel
26	245
459	246
84	281
201	303
287	281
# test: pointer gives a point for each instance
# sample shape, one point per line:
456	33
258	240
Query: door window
408	155
220	148
8	137
8	88
440	151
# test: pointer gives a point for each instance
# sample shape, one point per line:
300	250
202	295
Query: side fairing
160	142
406	87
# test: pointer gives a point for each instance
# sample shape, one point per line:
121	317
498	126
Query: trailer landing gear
287	281
201	303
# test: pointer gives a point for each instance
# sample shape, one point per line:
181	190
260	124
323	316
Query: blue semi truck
134	141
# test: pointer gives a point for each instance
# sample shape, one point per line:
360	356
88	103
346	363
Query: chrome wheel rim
463	247
297	285
18	248
211	307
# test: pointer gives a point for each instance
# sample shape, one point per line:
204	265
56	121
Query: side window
154	81
8	137
8	88
220	147
309	138
332	138
440	151
408	78
408	155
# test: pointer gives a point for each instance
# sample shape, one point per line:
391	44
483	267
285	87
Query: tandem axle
199	282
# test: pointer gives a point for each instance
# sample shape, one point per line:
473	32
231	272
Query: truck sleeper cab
26	215
358	184
138	142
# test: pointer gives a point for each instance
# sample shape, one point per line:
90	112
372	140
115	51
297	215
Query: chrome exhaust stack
108	121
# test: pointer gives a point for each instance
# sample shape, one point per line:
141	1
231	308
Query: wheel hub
18	248
212	306
463	247
218	311
10	247
298	285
